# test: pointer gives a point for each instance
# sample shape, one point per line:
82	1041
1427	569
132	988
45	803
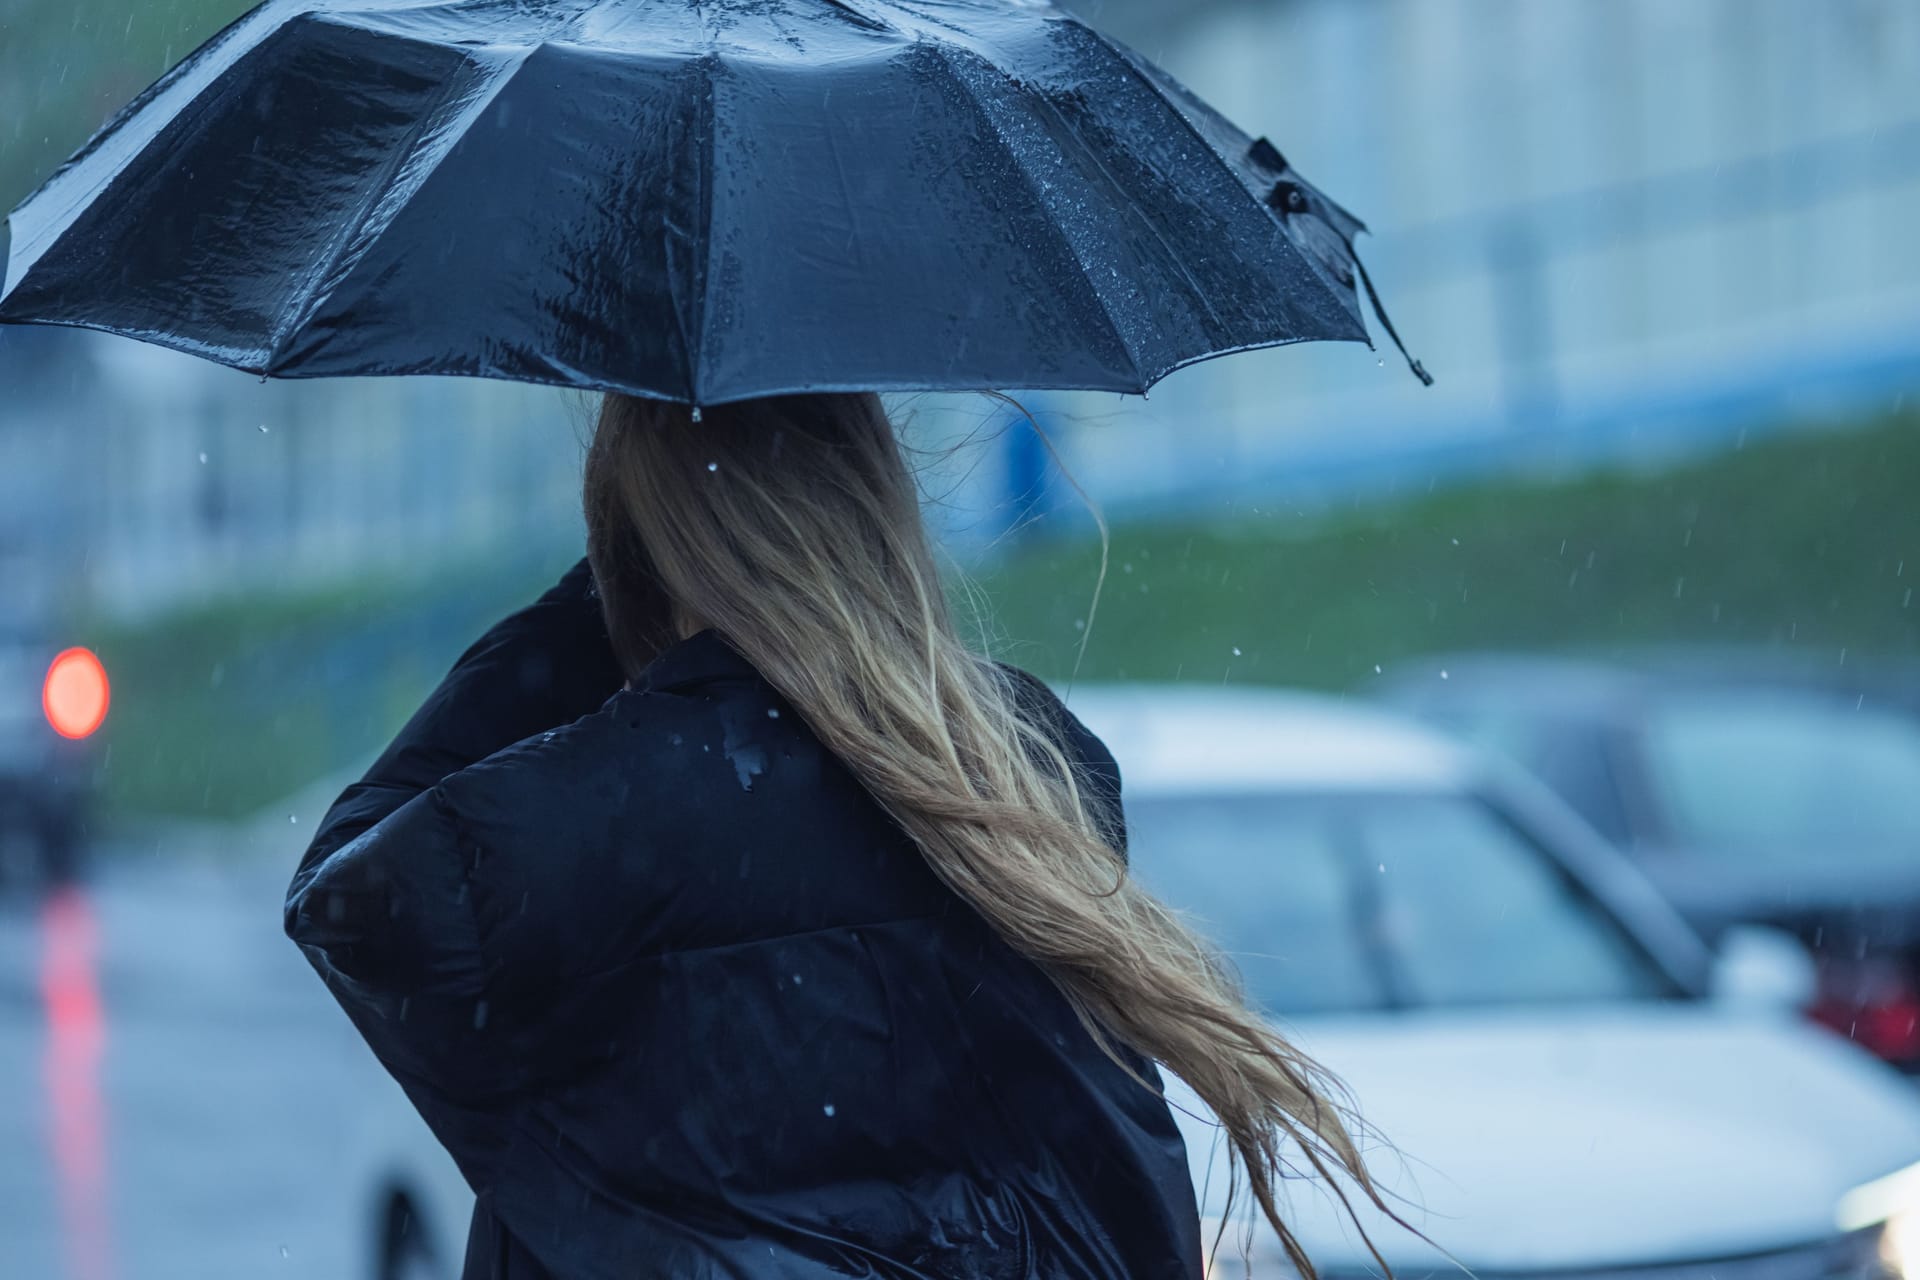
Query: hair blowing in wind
792	526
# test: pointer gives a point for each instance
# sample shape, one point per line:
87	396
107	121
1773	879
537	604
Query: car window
1269	882
1787	776
1472	913
1360	902
1570	756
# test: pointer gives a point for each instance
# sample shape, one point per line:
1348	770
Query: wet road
178	1095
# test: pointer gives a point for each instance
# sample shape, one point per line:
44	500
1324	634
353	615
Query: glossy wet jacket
683	1002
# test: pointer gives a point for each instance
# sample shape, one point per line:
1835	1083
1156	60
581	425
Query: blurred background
1653	538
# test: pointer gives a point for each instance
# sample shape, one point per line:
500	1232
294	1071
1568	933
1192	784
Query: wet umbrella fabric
698	201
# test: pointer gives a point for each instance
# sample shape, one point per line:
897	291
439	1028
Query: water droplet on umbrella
1443	673
713	466
203	457
773	713
696	413
828	1108
263	428
1236	651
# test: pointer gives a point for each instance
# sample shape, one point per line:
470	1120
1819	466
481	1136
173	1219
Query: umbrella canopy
697	200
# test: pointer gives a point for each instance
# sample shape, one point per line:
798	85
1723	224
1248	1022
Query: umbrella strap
1380	312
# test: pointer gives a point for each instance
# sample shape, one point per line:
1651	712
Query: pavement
178	1093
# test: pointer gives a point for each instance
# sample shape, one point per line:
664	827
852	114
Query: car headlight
1891	1204
1900	1244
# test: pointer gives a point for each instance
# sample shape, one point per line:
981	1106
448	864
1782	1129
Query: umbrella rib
693	328
860	17
319	289
943	52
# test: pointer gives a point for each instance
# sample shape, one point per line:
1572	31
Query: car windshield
1331	903
1788	776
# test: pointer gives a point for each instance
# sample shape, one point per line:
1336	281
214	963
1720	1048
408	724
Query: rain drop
1236	651
713	466
828	1109
1383	868
1079	624
1443	674
797	980
696	417
263	428
283	1252
1376	668
773	713
203	457
292	819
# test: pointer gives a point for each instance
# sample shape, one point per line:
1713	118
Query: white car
1570	1083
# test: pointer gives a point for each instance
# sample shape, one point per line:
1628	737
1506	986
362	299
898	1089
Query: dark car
1750	790
46	778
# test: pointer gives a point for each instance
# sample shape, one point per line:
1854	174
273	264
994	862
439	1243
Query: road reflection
76	1113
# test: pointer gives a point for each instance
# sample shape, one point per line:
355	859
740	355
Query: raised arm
381	902
545	666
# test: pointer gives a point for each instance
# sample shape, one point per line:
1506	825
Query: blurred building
1606	225
1609	226
133	478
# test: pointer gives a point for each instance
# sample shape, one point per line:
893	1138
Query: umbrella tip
1380	313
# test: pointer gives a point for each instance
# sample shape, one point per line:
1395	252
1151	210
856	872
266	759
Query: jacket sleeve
543	667
381	903
387	920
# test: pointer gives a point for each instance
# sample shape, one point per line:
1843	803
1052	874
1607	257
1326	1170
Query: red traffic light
75	694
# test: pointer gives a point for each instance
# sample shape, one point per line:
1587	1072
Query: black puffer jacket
683	1002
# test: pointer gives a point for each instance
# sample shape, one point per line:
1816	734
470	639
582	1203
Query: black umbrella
700	200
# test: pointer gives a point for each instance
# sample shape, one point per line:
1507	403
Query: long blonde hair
792	526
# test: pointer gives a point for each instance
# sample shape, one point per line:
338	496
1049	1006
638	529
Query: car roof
1609	689
1539	679
1187	738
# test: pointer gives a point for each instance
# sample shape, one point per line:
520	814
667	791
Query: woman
740	922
